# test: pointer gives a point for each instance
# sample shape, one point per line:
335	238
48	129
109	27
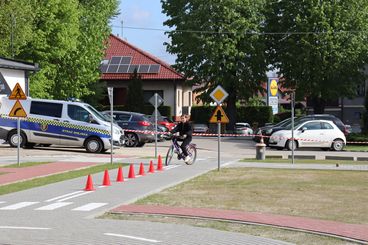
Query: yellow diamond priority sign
219	94
219	116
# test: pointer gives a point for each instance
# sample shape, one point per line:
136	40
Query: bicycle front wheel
192	152
169	155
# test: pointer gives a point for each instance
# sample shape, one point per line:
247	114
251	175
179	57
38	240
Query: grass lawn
330	195
278	160
356	148
5	189
24	165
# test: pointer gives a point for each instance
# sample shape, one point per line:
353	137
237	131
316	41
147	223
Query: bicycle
175	148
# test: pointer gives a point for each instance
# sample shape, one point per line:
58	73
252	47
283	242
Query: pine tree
135	99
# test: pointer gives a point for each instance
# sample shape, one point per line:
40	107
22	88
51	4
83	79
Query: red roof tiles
119	47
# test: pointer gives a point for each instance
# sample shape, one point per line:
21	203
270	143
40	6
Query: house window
147	94
179	99
189	98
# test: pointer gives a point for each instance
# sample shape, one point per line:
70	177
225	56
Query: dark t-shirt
183	128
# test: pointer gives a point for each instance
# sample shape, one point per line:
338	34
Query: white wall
12	77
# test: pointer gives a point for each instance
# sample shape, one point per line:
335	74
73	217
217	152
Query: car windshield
97	114
283	123
297	123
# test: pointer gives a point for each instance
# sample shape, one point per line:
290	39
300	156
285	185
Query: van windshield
97	113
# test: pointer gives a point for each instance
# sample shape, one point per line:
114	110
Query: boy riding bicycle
185	134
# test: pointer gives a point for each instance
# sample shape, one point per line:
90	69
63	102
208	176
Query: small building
13	72
122	59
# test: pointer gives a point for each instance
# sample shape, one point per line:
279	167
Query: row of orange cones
120	177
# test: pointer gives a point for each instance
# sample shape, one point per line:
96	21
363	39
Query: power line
247	33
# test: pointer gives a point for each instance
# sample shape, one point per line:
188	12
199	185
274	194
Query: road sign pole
155	125
111	98
292	126
219	143
18	148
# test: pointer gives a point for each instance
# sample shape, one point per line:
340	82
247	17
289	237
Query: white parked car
316	133
243	128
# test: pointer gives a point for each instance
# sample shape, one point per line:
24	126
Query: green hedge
148	109
357	137
258	115
201	114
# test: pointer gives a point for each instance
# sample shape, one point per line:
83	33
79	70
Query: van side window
46	109
78	113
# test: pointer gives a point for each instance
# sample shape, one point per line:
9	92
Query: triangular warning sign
17	110
219	116
17	93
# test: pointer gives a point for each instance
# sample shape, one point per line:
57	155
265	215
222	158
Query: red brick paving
11	175
352	231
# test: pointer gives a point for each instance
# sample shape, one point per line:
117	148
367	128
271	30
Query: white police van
60	123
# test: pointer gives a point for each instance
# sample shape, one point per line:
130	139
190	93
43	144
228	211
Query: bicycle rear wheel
192	152
169	155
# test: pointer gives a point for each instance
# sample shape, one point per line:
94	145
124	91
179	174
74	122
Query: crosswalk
39	206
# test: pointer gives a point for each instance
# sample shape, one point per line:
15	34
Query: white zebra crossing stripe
90	206
77	195
59	197
18	205
54	206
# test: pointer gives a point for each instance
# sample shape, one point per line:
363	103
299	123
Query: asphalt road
62	213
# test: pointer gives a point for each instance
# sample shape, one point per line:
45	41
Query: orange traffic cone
106	179
151	168
159	163
131	174
141	170
120	177
89	185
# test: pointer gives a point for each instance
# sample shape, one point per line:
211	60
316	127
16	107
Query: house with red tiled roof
122	58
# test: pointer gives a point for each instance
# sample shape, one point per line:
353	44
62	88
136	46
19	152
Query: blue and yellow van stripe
53	126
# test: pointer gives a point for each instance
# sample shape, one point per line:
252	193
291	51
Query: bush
256	116
357	137
201	114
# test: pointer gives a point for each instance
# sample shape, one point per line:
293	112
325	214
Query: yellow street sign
17	110
219	116
17	93
219	94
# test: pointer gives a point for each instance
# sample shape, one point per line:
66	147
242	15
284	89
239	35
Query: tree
214	45
135	99
16	18
55	28
66	37
81	79
318	47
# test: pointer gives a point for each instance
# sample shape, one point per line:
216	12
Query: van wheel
13	138
131	140
94	145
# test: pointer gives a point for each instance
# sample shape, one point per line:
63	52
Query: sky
143	14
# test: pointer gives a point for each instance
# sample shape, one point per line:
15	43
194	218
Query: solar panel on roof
112	68
143	68
103	68
126	60
154	68
132	68
123	69
115	60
